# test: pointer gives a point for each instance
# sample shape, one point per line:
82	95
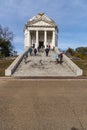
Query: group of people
30	51
59	57
35	50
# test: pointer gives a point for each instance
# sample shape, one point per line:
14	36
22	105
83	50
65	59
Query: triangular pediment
41	20
42	23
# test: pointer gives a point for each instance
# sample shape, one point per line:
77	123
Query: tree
82	50
70	51
6	38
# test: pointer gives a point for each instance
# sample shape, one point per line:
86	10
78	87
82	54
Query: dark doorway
41	44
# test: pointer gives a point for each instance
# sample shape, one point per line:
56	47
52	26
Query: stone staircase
40	65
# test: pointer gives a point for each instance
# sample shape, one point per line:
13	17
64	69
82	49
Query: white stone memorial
41	31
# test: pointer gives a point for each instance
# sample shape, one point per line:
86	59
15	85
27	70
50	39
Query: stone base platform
42	66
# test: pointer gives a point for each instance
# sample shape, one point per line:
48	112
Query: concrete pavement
43	104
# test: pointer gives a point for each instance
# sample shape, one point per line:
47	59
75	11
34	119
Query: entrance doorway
41	44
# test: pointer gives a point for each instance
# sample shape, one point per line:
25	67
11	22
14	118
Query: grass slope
82	64
4	63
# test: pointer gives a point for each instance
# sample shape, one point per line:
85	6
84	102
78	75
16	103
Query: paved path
41	65
43	104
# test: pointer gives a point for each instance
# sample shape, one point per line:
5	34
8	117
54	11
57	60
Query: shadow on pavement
73	128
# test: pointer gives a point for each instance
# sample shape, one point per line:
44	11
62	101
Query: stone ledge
10	70
71	64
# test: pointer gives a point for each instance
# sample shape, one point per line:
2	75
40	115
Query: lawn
4	63
83	65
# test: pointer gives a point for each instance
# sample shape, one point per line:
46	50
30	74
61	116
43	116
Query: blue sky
69	15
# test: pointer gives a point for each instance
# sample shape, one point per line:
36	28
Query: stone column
56	40
45	38
53	39
29	38
37	41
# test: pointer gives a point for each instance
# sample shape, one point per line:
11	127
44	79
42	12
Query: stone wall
11	69
71	64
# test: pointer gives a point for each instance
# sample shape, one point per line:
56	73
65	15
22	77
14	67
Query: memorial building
40	31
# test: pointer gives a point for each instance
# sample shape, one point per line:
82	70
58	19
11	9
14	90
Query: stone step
40	65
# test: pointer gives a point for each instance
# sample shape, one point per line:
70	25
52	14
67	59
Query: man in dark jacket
47	51
35	51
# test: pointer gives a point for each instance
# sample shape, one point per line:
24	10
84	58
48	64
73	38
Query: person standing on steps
33	45
61	57
30	51
25	58
35	51
57	58
47	51
49	46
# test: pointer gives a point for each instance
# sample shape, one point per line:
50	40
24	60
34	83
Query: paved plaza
43	104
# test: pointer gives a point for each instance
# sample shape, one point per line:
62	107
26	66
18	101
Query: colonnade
45	38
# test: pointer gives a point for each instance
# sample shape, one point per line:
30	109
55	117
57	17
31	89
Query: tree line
80	52
6	38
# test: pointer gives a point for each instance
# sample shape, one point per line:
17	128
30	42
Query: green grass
4	63
82	64
81	61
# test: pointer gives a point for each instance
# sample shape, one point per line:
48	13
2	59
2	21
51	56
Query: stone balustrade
10	70
71	64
